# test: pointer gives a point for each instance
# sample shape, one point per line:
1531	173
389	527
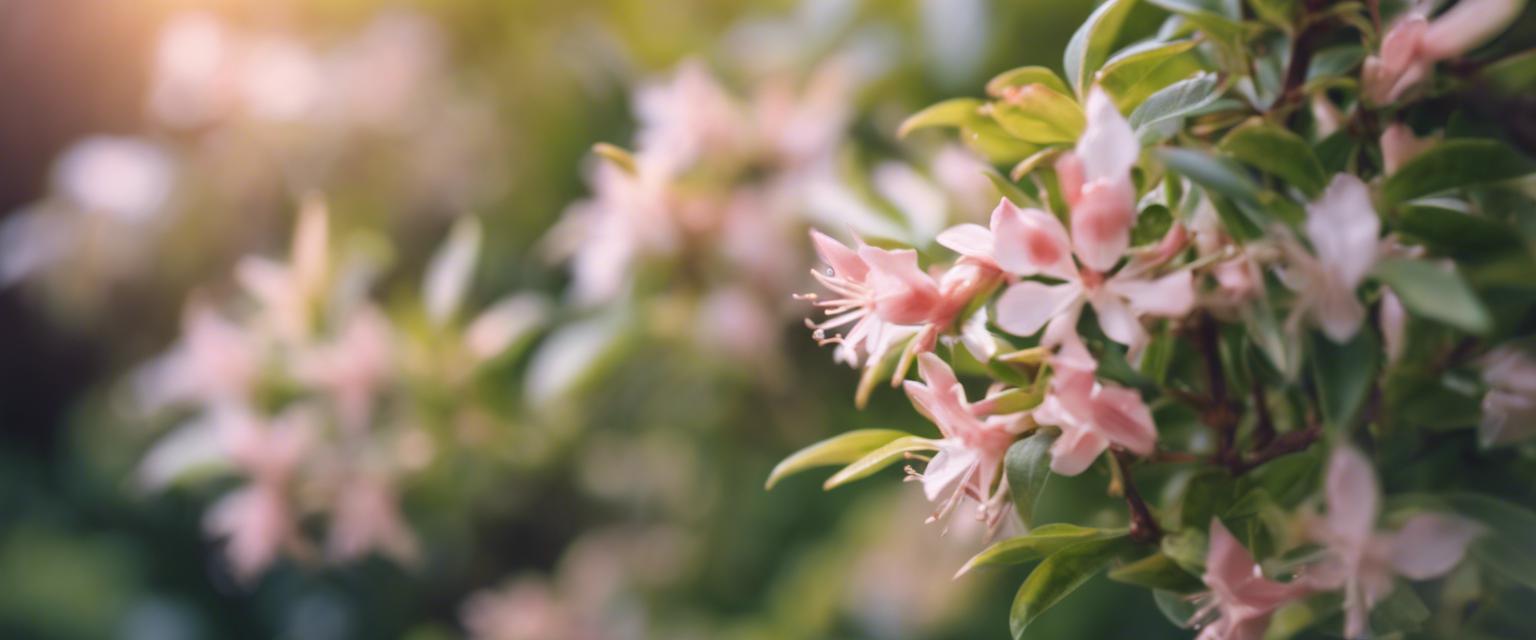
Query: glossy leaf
1058	576
1453	164
949	113
1430	291
1131	77
1090	44
1176	100
1038	543
1343	374
1278	152
1157	571
839	449
1037	114
879	459
1028	465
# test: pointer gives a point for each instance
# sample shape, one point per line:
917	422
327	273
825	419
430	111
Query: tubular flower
1415	43
1092	414
973	445
1096	181
1241	599
1362	561
1343	227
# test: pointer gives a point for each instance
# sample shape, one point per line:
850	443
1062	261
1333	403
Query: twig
1301	55
1264	424
1144	527
1284	444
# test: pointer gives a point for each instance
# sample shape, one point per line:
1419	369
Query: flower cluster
1186	271
309	393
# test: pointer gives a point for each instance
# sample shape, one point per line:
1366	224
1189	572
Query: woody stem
1144	527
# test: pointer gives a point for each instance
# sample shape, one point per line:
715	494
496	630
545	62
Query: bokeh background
604	477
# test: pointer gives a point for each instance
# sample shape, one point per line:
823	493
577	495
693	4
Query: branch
1284	444
1301	55
1264	425
1144	527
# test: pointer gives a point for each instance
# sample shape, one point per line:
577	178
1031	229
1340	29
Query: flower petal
1170	296
1467	25
449	273
1108	146
1353	498
1102	221
1122	416
843	260
1429	545
947	466
1116	319
1031	241
1343	227
971	240
1075	450
1025	307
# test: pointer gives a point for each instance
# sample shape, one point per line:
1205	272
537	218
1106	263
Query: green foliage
880	458
1061	573
1028	468
1040	542
839	449
1279	152
1454	164
1344	374
1433	292
1091	44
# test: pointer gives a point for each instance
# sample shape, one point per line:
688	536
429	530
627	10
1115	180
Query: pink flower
1030	242
887	297
289	293
215	363
1238	278
256	521
1096	181
1241	599
1415	43
1342	226
367	516
1362	561
353	367
973	445
1509	409
1091	414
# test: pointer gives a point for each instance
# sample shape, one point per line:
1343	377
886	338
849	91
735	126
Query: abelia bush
1268	272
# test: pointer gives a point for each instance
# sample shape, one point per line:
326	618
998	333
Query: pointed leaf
1278	152
1343	374
949	113
1058	576
879	459
1133	76
1157	571
1038	543
1035	113
1435	293
1025	76
839	449
1176	100
1452	164
1090	45
1028	464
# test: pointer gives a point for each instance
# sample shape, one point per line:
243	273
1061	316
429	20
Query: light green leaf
1435	293
949	113
1187	548
879	459
1279	152
1035	113
1038	543
1090	45
1173	101
1157	571
1343	373
1023	76
1132	76
839	449
1010	190
1453	164
1028	465
986	137
1058	576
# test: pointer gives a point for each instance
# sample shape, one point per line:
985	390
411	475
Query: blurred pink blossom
971	450
1241	600
1509	408
1091	414
1343	227
1415	43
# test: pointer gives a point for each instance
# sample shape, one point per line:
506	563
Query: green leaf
619	156
1400	612
1176	100
1277	12
1151	225
1206	495
1028	465
954	112
1023	76
879	459
1157	571
1343	374
1453	164
1187	548
839	449
1435	293
1335	61
1278	152
1454	233
1515	74
1297	617
1219	175
1090	45
1058	576
1132	76
1044	540
986	137
1010	190
1034	113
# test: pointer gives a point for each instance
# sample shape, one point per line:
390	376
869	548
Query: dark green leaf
1157	571
840	449
1515	74
1219	175
1435	293
1278	152
1151	224
1206	495
1058	576
1343	374
1455	163
1401	612
1028	465
1458	234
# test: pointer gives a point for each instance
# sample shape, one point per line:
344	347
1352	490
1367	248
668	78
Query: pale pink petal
1399	145
1069	174
450	271
904	294
1337	310
1170	296
1102	221
967	239
1403	42
1122	416
496	328
1030	241
1025	307
311	241
1343	227
937	373
1062	332
1076	450
1108	146
946	468
1430	545
844	261
1394	325
1228	564
1353	498
1468	24
1116	319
